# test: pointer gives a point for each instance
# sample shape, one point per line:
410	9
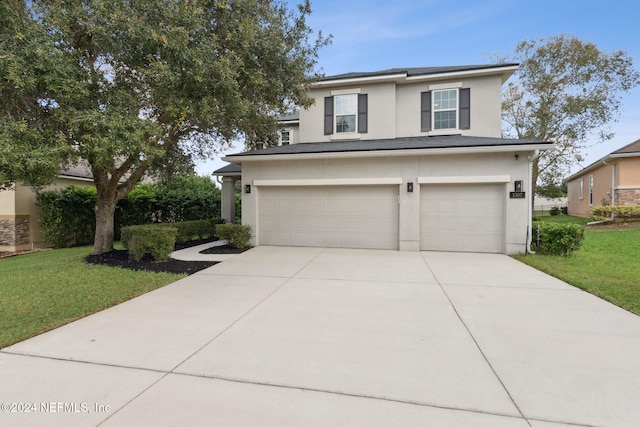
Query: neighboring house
409	159
19	217
612	180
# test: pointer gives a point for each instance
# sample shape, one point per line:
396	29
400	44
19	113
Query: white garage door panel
332	216
465	218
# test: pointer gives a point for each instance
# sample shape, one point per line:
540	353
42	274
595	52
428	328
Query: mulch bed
120	258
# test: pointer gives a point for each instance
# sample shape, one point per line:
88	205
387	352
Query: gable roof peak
634	147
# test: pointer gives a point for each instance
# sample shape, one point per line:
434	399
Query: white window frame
351	112
290	133
581	189
455	110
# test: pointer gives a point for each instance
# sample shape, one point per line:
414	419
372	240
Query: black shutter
362	113
425	111
465	108
328	115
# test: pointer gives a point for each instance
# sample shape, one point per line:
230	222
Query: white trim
338	92
627	187
342	82
387	153
75	178
443	132
345	136
444	86
465	73
325	182
486	179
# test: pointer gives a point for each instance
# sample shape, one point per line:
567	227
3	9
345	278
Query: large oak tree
566	91
126	85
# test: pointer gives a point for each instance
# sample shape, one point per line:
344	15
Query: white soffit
387	153
325	182
483	179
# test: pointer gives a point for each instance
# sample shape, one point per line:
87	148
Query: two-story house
409	159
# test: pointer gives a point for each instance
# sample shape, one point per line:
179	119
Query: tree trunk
105	212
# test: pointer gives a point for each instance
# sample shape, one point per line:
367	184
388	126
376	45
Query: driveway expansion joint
477	344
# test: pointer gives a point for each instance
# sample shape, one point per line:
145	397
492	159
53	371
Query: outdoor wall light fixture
409	187
517	156
247	189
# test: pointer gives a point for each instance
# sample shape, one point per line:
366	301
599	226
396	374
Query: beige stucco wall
409	169
24	205
381	113
627	181
394	110
8	202
629	172
485	107
601	191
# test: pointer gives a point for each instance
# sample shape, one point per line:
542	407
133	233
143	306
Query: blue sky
370	35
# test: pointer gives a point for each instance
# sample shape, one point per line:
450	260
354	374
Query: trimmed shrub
67	216
554	211
236	235
193	230
603	213
149	239
550	238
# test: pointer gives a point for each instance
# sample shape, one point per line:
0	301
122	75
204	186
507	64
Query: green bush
236	235
149	239
67	216
554	211
603	213
194	230
552	238
187	198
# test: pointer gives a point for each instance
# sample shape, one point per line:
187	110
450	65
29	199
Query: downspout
613	186
531	158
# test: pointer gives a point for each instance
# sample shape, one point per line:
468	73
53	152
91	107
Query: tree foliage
566	91
129	86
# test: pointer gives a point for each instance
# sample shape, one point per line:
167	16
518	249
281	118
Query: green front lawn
606	265
44	290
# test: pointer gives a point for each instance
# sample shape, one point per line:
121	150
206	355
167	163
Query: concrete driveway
336	337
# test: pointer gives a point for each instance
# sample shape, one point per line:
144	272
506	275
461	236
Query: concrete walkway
334	337
193	253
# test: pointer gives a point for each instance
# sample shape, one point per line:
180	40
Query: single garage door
462	218
329	216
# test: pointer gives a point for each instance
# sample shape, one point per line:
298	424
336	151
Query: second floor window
346	114
285	136
445	109
346	110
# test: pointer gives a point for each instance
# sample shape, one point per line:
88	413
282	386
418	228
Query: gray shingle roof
413	143
634	147
416	71
229	170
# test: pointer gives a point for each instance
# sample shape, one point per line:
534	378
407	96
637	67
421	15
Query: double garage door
452	217
329	216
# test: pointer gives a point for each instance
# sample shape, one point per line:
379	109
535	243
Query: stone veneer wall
14	231
628	197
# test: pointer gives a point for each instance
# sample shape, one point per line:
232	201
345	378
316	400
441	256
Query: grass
44	290
544	216
606	265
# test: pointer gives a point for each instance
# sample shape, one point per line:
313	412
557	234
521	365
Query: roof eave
601	162
239	159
